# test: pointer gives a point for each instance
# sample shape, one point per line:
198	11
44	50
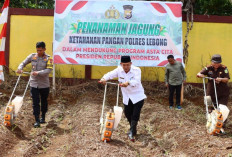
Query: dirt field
72	128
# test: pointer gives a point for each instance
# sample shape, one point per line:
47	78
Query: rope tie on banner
189	12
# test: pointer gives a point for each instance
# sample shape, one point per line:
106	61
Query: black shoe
36	124
222	131
42	121
133	130
131	137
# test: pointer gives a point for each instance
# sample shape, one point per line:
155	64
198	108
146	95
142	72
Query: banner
100	32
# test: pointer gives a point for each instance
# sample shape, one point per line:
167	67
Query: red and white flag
3	20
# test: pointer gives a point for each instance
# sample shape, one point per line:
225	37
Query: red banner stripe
58	59
79	5
163	63
72	61
159	7
61	5
176	9
179	59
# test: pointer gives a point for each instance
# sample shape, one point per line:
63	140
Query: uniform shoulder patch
226	70
207	67
34	56
224	66
50	63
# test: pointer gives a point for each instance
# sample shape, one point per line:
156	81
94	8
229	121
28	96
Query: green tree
213	7
209	7
36	4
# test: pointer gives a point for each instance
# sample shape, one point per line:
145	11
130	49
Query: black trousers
132	111
172	89
39	95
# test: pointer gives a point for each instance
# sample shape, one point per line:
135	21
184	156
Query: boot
133	130
42	120
131	137
134	127
37	122
224	124
223	128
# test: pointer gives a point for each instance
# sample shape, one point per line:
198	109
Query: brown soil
72	127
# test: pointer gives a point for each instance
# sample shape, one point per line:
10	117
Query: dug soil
72	128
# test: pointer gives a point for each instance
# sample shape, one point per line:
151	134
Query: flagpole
54	81
53	77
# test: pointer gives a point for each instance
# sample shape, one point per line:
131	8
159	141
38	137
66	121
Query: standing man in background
175	75
39	81
129	78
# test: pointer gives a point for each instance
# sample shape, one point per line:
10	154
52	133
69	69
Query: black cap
216	58
125	59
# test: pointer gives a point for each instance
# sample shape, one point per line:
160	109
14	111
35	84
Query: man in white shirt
129	78
1	75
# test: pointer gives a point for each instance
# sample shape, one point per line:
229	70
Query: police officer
221	74
39	81
129	78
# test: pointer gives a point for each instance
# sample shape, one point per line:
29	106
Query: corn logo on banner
100	32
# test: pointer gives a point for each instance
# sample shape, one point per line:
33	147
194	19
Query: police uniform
222	88
39	84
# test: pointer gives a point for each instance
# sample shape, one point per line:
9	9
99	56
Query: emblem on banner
127	11
112	13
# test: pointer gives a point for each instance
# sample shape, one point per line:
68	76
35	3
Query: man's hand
184	81
102	81
218	80
166	84
19	71
34	73
125	84
200	75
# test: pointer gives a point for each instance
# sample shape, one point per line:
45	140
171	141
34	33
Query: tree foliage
213	7
208	7
36	4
